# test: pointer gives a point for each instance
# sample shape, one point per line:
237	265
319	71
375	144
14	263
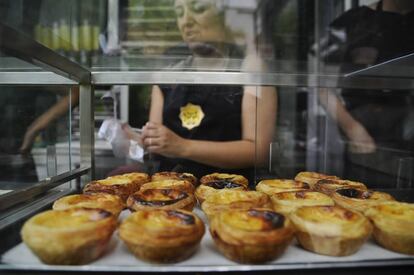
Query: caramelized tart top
254	226
221	180
162	228
273	186
393	216
330	221
108	202
158	197
69	218
361	194
174	176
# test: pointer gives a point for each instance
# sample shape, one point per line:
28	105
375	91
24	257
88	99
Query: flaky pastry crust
121	185
312	177
288	202
329	186
231	178
255	235
234	199
182	185
160	199
110	203
393	225
330	230
175	176
162	236
273	186
69	237
359	199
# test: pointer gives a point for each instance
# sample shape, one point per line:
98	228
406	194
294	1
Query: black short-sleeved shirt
222	107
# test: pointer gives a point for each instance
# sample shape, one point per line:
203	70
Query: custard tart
255	235
175	176
228	199
206	189
273	186
182	185
216	181
120	185
313	177
69	237
161	199
110	203
393	225
329	186
359	199
288	202
330	230
232	178
162	236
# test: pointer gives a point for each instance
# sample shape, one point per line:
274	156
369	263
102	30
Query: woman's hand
159	139
28	140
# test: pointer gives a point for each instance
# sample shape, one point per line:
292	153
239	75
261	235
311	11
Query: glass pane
71	28
360	135
35	142
197	116
354	36
12	64
328	37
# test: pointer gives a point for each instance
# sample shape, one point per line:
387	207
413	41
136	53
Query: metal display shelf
208	259
243	78
20	45
44	67
208	78
34	78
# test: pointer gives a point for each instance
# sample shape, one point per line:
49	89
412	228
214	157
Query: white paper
122	147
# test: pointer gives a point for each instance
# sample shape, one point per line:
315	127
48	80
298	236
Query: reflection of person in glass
371	119
202	129
28	111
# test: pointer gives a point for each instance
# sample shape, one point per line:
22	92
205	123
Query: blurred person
372	119
22	122
202	129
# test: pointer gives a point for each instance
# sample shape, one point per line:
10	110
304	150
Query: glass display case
260	88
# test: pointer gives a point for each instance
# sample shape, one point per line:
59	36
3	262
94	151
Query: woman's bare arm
360	140
229	154
56	111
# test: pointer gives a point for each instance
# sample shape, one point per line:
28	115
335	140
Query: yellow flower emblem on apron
191	116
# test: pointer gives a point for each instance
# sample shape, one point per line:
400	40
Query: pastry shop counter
208	259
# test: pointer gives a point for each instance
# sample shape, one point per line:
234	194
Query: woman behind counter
201	129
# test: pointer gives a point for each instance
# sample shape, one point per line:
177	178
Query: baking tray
208	258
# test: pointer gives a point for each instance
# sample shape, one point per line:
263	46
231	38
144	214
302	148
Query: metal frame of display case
62	71
59	71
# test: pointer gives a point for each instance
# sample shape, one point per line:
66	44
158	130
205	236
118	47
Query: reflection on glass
71	28
34	120
146	35
374	122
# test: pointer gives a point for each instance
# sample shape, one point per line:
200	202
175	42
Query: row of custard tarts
232	201
257	226
392	221
162	228
251	241
78	229
164	190
242	223
177	240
